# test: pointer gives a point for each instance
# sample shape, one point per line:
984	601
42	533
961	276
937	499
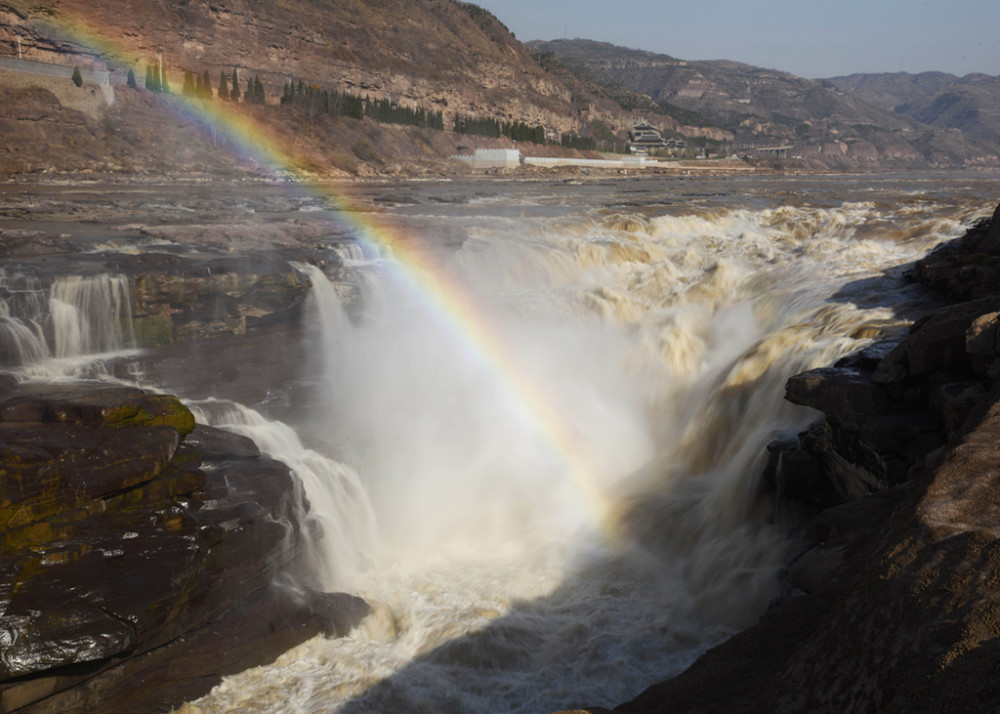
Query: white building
493	159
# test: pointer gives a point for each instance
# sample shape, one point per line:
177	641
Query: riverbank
895	604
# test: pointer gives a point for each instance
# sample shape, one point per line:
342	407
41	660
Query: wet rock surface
897	592
139	552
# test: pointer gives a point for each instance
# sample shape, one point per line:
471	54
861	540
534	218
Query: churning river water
546	481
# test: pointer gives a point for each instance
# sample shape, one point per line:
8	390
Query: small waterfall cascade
355	253
73	317
337	500
91	315
23	309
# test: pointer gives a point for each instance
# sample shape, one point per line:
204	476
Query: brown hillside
430	55
436	54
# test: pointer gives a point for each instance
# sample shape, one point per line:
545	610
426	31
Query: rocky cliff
435	56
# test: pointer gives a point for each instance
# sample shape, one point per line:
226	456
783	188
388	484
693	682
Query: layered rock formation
140	552
897	604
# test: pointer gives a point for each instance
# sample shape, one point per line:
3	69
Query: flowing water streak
23	306
676	332
328	316
91	314
76	318
337	500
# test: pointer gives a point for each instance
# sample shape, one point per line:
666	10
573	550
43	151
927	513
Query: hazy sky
809	38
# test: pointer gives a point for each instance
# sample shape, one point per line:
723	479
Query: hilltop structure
644	137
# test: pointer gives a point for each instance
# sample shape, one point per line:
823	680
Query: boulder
215	443
967	267
990	242
94	404
178	297
267	624
939	339
51	468
925	605
846	395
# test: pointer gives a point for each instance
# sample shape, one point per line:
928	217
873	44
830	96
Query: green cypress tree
235	94
152	79
258	91
189	89
77	77
131	79
223	87
206	86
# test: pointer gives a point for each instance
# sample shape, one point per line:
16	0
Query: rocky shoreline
897	601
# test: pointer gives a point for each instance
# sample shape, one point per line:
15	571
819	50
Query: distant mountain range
861	121
970	104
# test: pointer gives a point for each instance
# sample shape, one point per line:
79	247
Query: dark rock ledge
897	604
139	552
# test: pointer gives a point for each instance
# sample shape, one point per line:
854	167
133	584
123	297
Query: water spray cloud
470	327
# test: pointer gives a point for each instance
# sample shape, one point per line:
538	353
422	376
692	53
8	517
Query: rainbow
470	326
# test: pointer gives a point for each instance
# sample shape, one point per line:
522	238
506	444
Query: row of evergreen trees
200	85
574	141
385	111
319	100
156	79
518	130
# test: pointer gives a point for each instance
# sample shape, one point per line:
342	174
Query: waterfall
91	315
23	307
74	317
21	342
337	500
632	357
